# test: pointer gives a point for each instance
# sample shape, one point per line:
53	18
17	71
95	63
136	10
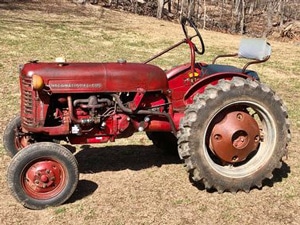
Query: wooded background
258	18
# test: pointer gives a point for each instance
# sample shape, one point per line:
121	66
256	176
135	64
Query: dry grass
130	181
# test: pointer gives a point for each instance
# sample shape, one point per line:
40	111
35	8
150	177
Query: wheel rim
43	179
238	133
255	159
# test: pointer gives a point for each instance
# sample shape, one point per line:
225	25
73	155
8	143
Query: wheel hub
43	176
235	137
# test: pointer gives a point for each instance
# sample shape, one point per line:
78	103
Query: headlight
37	82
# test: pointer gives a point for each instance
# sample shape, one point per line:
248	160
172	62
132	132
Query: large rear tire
42	174
225	153
166	141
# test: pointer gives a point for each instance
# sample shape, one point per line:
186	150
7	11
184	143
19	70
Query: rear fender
200	86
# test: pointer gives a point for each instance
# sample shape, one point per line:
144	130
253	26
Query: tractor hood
96	77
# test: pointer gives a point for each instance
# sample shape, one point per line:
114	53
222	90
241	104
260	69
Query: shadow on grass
84	188
115	158
278	175
137	157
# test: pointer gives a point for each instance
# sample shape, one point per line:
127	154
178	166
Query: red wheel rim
235	137
43	179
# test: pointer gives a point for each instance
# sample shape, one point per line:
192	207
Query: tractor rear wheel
234	135
166	141
42	174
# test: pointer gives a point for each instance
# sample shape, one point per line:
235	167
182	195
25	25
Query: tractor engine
93	102
104	117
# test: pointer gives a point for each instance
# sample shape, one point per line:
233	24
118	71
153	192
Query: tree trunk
204	14
280	12
269	19
160	6
222	9
237	7
182	10
242	22
169	6
251	7
191	8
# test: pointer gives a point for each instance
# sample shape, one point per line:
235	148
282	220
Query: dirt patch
130	181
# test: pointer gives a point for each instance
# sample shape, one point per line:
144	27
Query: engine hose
144	112
72	117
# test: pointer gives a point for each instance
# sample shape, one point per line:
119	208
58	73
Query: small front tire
42	175
11	141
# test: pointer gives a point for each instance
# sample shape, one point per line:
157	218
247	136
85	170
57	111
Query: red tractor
231	130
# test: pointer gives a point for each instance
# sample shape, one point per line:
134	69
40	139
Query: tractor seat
256	50
217	68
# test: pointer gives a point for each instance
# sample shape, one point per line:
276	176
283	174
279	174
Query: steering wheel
184	20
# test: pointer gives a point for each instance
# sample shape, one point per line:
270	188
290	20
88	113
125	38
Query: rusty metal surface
235	137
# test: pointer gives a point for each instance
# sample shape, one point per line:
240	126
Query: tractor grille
26	101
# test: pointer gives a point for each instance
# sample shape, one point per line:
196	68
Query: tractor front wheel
13	141
42	174
234	135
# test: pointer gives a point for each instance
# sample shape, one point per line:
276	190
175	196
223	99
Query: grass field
130	181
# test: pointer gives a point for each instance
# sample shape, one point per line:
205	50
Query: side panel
180	81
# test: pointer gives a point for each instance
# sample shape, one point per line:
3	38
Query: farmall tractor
230	130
